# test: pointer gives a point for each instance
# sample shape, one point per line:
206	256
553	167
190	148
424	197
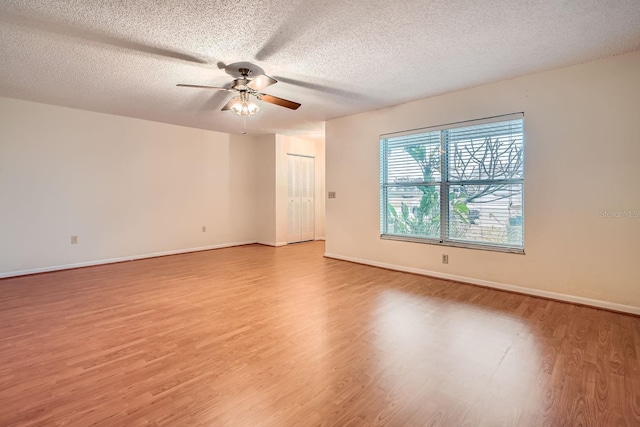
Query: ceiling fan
244	88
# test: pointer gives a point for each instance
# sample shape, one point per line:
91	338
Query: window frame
444	186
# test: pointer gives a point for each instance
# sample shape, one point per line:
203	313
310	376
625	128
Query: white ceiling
335	57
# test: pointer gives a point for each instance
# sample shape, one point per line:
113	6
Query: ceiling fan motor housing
240	84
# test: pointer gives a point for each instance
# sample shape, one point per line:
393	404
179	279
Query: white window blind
459	185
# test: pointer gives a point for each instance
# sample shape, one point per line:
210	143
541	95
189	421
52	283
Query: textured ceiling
335	57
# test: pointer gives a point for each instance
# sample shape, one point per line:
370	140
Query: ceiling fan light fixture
243	107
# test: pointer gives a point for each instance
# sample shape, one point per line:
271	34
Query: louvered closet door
307	209
300	199
294	231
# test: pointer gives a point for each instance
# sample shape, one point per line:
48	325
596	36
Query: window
457	185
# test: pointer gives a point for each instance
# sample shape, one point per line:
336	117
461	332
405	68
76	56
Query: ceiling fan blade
260	82
203	87
228	105
278	101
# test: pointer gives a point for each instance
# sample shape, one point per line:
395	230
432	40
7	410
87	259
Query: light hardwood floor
254	335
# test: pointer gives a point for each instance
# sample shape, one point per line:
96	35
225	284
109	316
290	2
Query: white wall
582	130
125	187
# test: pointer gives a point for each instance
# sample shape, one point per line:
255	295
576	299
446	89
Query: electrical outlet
74	240
445	259
204	228
332	194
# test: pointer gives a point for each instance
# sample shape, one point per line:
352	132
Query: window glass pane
487	151
413	210
488	214
482	188
413	158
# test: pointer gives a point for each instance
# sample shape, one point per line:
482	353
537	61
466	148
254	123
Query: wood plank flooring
261	336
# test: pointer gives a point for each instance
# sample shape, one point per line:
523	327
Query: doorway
300	198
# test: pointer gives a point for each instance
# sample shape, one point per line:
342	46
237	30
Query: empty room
328	213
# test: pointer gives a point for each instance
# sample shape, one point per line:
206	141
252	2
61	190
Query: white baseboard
119	259
278	244
501	286
274	244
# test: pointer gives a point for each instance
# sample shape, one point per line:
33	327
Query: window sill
505	249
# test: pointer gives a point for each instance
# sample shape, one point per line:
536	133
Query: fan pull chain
244	125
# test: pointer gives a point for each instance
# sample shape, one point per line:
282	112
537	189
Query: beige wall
320	190
125	187
266	207
131	188
582	129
